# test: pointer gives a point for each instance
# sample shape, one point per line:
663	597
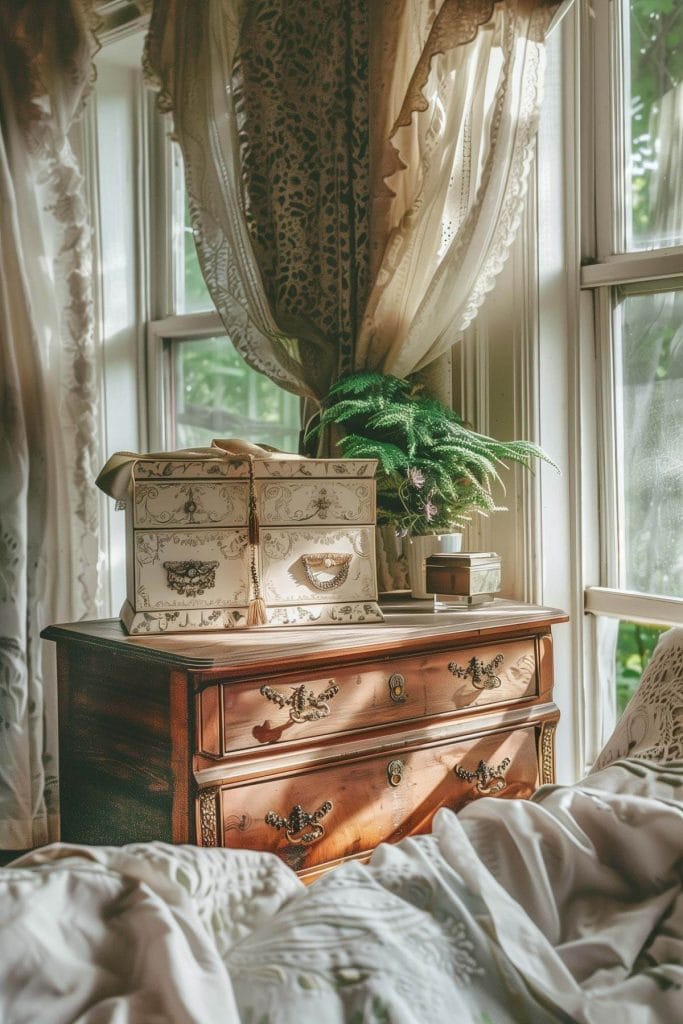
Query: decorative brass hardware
489	779
303	704
190	578
208	817
483	676
546	753
397	688
298	820
395	771
314	565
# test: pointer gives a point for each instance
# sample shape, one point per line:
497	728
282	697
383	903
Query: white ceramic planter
418	550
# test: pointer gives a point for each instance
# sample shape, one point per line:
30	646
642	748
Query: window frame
160	335
607	266
168	284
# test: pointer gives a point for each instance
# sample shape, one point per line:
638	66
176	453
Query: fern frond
433	471
346	410
391	458
369	382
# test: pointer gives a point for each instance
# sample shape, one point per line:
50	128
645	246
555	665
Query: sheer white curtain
48	395
458	94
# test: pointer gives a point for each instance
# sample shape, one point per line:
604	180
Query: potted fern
433	471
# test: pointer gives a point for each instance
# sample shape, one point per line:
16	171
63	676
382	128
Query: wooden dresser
317	744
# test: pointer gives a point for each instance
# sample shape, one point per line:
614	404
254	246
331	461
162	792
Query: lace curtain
334	233
48	395
453	125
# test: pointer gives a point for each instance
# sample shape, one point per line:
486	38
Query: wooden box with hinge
315	745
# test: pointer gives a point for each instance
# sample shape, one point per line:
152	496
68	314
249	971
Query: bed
565	907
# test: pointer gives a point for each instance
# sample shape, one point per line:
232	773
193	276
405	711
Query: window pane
215	394
649	332
191	294
196	297
635	644
654	95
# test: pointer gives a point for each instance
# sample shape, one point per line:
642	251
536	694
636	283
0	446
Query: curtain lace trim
420	345
510	215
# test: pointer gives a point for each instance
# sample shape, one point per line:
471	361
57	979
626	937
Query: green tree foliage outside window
656	58
217	395
635	644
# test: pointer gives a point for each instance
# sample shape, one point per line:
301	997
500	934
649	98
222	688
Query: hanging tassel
253	519
257	613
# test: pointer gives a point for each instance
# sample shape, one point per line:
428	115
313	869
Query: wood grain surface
172	738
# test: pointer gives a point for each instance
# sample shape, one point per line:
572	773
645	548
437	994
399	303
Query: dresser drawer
234	717
322	814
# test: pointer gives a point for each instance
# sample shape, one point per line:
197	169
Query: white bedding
564	908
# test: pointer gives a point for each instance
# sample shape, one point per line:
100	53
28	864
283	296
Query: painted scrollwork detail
318	507
489	779
300	827
483	675
303	704
191	506
190	578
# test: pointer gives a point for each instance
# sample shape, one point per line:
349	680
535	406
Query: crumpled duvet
564	908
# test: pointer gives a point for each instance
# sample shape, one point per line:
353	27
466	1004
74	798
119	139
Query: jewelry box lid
229	458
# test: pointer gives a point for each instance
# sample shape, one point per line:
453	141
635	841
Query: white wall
523	371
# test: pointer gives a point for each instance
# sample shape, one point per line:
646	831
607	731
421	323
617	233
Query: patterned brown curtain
269	100
300	84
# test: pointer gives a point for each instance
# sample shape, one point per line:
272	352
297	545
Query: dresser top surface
409	625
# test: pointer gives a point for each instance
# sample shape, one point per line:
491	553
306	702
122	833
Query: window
200	386
634	271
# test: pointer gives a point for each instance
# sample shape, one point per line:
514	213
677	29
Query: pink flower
416	478
430	510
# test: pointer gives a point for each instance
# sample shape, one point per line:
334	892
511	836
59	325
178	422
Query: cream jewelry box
237	535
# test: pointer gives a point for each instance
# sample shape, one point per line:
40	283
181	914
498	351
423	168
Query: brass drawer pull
489	779
298	820
397	688
303	704
483	676
395	771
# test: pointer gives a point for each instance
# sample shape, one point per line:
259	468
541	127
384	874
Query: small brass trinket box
463	579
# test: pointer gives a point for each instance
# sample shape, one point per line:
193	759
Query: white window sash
634	607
